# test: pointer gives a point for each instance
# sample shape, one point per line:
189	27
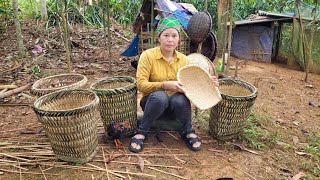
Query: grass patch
312	166
256	134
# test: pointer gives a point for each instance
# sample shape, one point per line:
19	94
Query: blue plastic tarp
252	42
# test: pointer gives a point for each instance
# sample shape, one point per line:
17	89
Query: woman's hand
215	80
173	86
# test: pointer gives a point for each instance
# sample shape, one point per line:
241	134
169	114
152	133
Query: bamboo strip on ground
101	169
148	155
14	91
172	135
105	164
11	171
11	86
167	173
154	165
44	176
136	174
18	167
11	156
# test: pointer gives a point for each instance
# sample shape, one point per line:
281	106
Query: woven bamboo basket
227	118
118	101
58	82
209	47
199	27
69	120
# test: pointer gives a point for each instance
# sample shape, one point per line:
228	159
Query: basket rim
34	86
37	102
129	86
253	94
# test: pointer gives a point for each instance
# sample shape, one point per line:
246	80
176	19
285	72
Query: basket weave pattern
118	100
58	82
227	118
69	120
198	86
199	27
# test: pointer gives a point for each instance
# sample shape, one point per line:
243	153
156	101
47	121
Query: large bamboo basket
58	82
118	101
227	118
69	120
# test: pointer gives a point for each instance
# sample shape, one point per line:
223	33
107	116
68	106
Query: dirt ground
287	109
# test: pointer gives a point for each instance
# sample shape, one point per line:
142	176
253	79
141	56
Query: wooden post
279	30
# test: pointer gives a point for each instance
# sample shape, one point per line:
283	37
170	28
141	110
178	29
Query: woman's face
169	39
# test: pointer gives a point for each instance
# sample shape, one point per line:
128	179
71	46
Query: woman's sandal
191	140
138	142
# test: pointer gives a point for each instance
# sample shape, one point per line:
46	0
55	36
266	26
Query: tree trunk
305	60
21	48
309	55
65	33
43	10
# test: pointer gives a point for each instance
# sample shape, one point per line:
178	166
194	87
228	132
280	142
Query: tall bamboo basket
69	120
58	82
227	118
118	101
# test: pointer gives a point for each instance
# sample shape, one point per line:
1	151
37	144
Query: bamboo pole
66	33
151	23
109	38
206	5
229	35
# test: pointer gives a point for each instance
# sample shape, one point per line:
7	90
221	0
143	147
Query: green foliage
313	146
36	71
311	167
125	11
256	136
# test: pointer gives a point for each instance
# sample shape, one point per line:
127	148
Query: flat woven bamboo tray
198	86
202	61
69	120
227	118
118	101
58	82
